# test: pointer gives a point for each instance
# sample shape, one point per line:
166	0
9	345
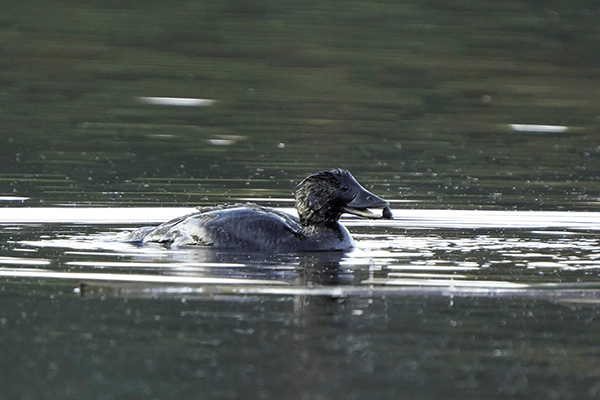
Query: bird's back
245	228
242	228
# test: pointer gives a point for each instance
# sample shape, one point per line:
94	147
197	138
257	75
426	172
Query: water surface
477	120
482	303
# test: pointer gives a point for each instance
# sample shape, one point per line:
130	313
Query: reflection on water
464	308
451	252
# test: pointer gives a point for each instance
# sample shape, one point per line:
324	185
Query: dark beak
364	200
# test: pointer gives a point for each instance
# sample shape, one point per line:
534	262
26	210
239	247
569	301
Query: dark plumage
321	199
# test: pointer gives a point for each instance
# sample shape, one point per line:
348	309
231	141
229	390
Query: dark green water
316	347
484	286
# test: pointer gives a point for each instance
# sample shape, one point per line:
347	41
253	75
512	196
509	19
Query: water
478	121
435	303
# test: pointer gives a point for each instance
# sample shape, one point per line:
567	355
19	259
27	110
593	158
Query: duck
320	200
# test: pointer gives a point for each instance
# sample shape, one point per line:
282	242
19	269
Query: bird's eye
344	188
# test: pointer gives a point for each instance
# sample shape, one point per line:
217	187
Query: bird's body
320	200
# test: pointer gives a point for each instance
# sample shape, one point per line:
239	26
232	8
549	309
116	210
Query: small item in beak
365	213
361	212
387	213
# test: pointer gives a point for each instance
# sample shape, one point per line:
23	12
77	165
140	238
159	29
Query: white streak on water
430	268
110	264
491	219
13	198
539	128
550	264
90	215
23	261
177	101
425	276
446	283
137	278
405	218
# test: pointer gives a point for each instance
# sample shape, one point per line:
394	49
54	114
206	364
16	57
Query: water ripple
476	252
